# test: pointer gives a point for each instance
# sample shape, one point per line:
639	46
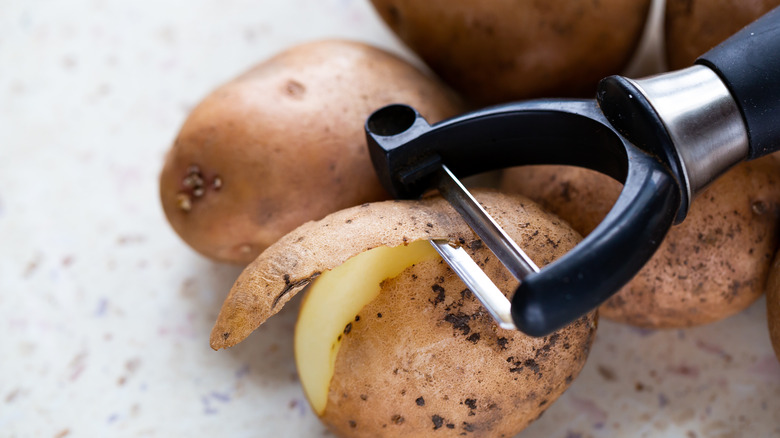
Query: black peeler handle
749	64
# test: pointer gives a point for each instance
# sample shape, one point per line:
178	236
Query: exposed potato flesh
331	305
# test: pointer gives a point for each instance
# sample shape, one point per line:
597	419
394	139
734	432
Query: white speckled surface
105	313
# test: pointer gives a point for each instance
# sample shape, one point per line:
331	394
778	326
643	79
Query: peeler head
405	172
408	153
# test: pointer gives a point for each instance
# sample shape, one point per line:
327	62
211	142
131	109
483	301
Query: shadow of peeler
665	137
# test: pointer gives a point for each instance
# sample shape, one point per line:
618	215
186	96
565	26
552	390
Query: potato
389	342
711	266
773	305
284	143
693	27
498	51
580	196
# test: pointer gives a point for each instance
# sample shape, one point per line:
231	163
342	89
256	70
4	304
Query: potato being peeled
389	342
283	144
711	266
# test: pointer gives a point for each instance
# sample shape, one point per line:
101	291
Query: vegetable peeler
665	137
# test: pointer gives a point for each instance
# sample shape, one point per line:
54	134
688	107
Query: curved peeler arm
607	258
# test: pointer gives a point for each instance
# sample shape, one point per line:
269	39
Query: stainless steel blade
477	281
503	246
496	239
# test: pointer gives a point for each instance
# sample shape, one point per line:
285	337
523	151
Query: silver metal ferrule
702	119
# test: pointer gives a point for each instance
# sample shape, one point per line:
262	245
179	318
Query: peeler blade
477	281
497	240
503	246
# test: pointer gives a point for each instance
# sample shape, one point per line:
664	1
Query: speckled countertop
105	313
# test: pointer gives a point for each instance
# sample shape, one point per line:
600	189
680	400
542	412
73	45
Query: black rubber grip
749	64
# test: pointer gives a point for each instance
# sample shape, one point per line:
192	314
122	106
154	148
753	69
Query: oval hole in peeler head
391	120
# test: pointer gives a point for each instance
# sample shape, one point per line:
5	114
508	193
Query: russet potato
711	266
389	342
498	51
284	143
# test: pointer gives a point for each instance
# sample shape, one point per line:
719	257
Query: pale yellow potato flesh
331	304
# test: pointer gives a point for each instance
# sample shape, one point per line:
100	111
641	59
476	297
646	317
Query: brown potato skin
711	266
773	305
692	27
285	144
498	51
